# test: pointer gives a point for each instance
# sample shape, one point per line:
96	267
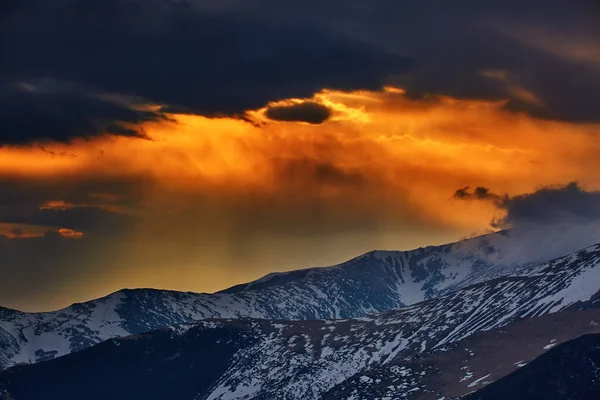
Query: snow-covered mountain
467	365
374	282
267	359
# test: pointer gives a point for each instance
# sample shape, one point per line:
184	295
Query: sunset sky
193	145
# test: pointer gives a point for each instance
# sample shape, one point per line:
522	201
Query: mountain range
372	283
433	323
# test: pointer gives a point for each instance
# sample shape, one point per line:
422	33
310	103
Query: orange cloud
394	145
55	204
35	231
379	173
70	233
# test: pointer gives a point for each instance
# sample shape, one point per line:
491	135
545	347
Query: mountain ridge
306	359
371	283
374	282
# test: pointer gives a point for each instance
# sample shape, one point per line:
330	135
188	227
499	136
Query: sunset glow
194	145
384	168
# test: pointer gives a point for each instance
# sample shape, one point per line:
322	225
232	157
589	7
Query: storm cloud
52	111
548	49
172	55
214	59
479	193
547	223
309	112
547	205
551	205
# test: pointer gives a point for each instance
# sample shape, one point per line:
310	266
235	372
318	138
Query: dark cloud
221	59
563	90
454	41
551	205
51	111
548	223
310	112
480	193
170	53
547	205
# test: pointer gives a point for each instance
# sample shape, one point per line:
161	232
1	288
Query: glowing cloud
211	194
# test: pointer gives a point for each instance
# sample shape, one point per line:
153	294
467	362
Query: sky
194	145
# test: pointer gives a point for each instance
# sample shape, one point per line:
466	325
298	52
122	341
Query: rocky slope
471	363
571	371
375	282
266	359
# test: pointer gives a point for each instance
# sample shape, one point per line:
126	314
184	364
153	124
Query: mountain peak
375	282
